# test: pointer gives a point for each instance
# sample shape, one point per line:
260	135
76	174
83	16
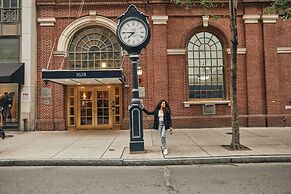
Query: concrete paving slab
185	151
87	143
116	148
243	132
78	153
113	153
271	149
178	139
150	153
223	131
217	150
211	140
95	135
30	153
271	131
120	141
56	143
148	138
18	140
260	141
155	138
207	133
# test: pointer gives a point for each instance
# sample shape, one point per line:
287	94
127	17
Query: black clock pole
133	34
136	127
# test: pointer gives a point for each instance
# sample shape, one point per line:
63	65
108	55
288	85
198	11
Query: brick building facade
187	62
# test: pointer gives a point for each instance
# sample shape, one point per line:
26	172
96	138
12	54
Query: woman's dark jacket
167	118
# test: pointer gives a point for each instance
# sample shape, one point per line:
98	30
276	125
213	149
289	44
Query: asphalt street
240	178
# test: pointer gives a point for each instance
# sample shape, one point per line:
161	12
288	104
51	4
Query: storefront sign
81	74
25	96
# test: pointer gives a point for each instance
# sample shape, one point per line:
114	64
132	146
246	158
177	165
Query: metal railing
10	15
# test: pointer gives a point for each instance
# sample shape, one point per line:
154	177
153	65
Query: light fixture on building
103	65
139	71
84	96
205	20
139	74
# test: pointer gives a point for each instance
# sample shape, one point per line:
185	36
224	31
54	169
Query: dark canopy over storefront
12	73
80	77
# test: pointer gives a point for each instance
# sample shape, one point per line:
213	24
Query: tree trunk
235	142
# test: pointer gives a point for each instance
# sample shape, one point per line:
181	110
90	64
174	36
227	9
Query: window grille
205	67
94	47
10	11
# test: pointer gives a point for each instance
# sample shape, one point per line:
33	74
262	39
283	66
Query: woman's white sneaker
165	151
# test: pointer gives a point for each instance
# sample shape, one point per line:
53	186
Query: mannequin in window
8	103
2	132
1	105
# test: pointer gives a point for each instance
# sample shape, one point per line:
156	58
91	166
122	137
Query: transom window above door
205	67
94	47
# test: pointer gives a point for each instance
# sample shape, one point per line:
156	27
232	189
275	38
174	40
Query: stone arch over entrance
75	26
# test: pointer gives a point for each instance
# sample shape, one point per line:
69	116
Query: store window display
9	104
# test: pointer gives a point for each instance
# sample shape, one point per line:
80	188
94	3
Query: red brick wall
263	75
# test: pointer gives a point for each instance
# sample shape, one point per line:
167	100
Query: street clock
133	32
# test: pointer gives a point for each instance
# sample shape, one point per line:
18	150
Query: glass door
95	107
86	109
103	107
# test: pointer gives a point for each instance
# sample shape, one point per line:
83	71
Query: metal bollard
25	124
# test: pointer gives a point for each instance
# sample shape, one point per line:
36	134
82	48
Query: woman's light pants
163	135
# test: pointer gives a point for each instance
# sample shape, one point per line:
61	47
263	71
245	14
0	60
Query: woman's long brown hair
167	109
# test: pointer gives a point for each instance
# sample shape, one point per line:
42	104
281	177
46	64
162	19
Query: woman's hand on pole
171	130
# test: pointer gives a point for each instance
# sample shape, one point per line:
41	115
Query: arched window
205	67
94	47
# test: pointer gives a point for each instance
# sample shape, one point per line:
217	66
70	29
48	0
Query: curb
153	162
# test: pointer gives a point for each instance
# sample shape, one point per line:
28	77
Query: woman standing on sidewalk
162	121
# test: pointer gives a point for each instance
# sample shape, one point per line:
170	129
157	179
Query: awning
12	73
80	77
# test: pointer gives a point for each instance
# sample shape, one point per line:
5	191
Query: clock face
133	32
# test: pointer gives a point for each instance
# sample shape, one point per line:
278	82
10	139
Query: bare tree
235	140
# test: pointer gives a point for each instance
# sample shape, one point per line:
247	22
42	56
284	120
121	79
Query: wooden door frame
78	108
111	115
77	102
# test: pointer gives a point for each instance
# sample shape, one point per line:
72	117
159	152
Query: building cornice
240	51
49	21
284	50
269	19
176	51
159	19
251	19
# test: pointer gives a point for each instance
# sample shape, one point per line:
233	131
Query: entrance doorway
95	107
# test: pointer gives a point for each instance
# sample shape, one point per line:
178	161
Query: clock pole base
136	146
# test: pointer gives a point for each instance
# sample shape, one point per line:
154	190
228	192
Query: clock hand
131	34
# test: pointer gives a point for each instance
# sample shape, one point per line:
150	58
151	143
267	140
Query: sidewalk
111	147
